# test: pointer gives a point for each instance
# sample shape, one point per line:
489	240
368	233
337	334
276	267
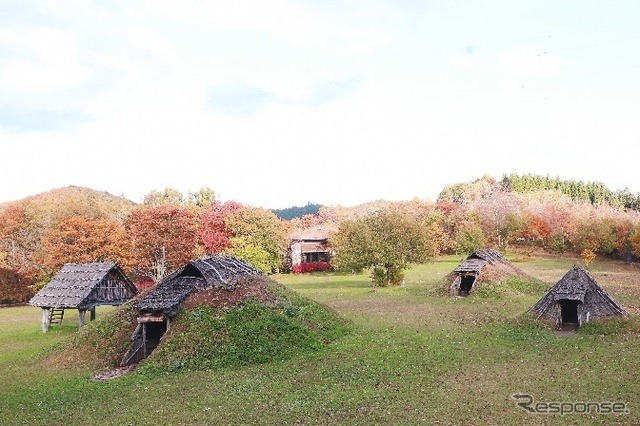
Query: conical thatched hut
82	286
157	309
481	265
576	299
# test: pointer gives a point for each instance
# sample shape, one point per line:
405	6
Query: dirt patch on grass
113	374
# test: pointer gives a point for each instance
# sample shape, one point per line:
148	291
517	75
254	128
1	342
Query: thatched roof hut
200	274
157	308
576	299
82	286
481	265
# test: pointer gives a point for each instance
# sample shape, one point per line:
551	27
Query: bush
310	267
392	275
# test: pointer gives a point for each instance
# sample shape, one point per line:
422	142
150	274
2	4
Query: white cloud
44	63
531	62
352	103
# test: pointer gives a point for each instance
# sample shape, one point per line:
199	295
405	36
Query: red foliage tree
214	235
162	238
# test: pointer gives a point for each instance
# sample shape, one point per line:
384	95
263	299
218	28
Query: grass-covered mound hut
211	313
480	266
82	286
576	299
161	305
257	321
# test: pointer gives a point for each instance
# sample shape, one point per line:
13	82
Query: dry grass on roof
256	288
500	272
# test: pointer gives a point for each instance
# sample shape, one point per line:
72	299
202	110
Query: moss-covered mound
269	325
257	321
502	279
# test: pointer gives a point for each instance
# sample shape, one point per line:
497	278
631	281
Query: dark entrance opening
569	311
466	284
191	271
145	339
152	334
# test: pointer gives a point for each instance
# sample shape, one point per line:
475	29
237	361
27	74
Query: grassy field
412	357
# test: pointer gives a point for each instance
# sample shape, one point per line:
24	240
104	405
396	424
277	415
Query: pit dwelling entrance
569	311
466	284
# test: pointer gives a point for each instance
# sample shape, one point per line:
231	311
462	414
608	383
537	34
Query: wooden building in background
309	246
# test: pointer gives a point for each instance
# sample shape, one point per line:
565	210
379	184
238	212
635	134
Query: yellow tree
387	242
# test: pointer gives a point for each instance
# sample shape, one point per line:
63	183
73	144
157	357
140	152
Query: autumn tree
20	238
14	287
162	238
258	237
78	239
634	240
214	235
169	196
203	198
353	245
387	242
469	237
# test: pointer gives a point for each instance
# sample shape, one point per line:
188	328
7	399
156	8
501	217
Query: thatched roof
578	285
200	274
84	286
481	266
478	259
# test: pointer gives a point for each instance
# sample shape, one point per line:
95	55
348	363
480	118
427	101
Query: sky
281	103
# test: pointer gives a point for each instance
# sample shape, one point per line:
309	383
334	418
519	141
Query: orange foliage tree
162	238
78	239
14	288
20	237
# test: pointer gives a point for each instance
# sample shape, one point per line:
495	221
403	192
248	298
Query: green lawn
413	357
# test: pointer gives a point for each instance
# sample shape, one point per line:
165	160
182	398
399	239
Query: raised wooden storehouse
82	286
161	305
576	299
480	264
309	246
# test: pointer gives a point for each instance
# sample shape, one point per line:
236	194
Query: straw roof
85	286
577	285
478	259
200	274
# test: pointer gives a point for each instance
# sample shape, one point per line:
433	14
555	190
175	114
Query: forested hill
73	200
295	211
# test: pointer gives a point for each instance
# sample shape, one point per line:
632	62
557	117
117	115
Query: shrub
311	267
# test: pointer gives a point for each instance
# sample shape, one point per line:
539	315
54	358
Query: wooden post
144	339
46	322
92	311
81	314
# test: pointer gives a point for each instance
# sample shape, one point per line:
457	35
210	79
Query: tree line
169	228
593	192
484	213
149	240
